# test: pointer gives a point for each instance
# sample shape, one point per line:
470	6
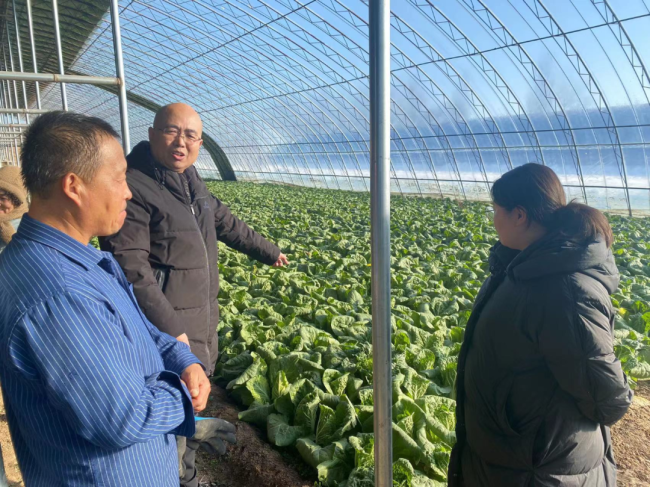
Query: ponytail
538	190
580	223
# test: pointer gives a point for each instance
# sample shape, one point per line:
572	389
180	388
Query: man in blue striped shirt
94	393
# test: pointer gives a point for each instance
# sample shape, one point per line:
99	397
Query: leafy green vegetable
280	432
295	342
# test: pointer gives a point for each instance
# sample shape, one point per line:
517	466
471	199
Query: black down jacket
538	383
168	249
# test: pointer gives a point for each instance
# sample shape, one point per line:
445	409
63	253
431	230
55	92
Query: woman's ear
520	216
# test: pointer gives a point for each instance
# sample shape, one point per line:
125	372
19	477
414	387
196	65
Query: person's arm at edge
78	350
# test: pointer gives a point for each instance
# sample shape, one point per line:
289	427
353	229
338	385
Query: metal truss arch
325	113
466	45
283	88
450	72
396	109
276	102
447	105
485	14
547	20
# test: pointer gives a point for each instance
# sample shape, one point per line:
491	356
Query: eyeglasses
173	133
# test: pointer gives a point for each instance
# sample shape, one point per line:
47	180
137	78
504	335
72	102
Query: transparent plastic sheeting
478	87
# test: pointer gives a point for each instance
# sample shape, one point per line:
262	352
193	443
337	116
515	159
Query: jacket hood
501	257
141	159
11	181
555	254
139	156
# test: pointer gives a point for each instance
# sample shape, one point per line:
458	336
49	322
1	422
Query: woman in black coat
538	384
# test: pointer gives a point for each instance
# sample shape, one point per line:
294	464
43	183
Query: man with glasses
168	247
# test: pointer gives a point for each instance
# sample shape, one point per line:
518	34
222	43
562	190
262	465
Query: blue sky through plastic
478	87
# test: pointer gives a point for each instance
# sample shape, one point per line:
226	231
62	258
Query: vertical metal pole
59	52
7	98
9	103
6	153
6	102
20	55
119	71
6	87
11	61
32	45
17	152
380	235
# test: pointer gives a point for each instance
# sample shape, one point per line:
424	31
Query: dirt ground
11	466
253	463
631	437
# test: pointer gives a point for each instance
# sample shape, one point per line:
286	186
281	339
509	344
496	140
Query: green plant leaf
279	431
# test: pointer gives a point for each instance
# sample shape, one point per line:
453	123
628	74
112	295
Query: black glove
212	433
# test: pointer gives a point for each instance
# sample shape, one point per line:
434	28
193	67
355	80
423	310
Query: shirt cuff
188	426
179	358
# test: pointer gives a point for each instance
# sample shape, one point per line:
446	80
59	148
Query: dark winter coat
538	384
168	249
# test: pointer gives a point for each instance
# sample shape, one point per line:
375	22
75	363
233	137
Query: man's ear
151	133
73	187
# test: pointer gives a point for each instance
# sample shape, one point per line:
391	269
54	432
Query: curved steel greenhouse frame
478	87
421	97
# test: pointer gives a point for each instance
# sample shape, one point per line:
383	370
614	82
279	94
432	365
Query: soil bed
631	438
254	463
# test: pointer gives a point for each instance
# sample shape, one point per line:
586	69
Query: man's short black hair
59	143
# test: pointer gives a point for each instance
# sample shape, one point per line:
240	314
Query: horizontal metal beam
59	78
15	125
22	111
427	180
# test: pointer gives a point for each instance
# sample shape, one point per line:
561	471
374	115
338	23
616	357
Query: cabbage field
296	342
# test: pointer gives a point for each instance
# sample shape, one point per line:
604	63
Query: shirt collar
85	255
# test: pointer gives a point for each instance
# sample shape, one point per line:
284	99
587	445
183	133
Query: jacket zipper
186	187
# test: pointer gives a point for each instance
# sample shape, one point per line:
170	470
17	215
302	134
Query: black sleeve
130	247
239	236
577	342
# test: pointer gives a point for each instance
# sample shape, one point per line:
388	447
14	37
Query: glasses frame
188	140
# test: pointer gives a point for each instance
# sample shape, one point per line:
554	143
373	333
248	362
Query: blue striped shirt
91	387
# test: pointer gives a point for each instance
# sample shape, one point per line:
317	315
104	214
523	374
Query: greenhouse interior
367	172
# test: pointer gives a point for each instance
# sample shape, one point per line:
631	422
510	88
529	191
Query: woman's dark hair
538	190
